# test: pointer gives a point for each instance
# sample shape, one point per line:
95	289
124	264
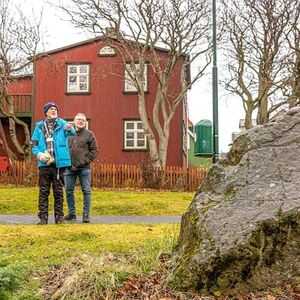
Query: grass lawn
84	261
100	257
52	244
104	202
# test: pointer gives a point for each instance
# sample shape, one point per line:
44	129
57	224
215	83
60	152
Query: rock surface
242	230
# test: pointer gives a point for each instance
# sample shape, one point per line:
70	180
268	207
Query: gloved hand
44	157
50	161
51	158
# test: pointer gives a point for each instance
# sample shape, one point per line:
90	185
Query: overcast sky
60	33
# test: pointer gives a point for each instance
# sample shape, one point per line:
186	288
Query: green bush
11	277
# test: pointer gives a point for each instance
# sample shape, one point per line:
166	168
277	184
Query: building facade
91	78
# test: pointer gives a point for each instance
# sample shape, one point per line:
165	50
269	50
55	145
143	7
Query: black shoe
43	221
86	219
59	220
70	217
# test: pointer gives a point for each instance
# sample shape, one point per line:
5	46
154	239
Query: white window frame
80	78
129	85
135	132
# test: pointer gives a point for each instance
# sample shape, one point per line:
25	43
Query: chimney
112	33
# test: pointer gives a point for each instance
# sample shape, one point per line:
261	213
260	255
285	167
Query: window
129	85
135	137
78	78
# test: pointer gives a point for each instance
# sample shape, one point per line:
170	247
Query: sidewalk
31	219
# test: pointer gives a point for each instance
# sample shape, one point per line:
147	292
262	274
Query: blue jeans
84	176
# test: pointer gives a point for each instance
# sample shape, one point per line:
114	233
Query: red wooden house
90	77
21	90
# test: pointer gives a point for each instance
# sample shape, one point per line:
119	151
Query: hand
47	155
44	157
68	126
50	161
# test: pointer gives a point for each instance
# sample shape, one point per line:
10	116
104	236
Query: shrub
151	178
11	277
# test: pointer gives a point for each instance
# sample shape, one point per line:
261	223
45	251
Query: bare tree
293	37
181	27
19	39
258	55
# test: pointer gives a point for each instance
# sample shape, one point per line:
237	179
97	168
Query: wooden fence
120	176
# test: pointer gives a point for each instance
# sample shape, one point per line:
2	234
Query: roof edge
22	76
89	41
92	40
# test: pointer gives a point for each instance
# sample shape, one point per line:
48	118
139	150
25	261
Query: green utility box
204	138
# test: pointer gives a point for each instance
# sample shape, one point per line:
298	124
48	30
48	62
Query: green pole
215	86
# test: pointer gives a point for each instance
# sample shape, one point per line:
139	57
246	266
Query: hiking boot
86	219
70	217
43	220
59	220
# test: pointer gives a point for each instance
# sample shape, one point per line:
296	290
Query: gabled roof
89	41
102	37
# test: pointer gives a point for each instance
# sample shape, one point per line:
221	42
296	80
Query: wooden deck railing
120	176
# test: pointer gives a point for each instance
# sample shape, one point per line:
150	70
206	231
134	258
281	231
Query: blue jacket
60	140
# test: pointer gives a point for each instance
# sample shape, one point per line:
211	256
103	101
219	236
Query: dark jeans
48	176
84	176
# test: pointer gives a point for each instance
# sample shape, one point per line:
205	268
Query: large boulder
242	230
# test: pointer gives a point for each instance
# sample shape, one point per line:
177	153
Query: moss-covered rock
242	230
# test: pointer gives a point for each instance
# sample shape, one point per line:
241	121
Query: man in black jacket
83	149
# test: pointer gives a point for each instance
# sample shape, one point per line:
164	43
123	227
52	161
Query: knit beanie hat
48	105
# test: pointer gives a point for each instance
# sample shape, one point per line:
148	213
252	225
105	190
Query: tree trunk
163	147
24	149
248	116
264	87
154	157
262	114
295	98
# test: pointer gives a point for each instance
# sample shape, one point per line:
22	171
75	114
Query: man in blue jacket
50	146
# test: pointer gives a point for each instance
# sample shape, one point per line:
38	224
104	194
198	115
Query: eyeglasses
81	119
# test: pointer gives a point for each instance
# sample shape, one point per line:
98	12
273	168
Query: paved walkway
27	219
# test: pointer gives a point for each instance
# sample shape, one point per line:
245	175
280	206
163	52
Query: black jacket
83	148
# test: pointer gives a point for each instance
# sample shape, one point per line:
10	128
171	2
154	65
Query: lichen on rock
242	228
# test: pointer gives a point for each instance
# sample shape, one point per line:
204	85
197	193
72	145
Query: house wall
20	86
21	89
19	133
107	105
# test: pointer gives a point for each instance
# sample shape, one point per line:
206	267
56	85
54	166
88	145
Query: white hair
80	115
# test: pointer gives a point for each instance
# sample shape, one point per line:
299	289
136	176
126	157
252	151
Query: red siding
21	89
106	106
22	104
20	137
20	86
